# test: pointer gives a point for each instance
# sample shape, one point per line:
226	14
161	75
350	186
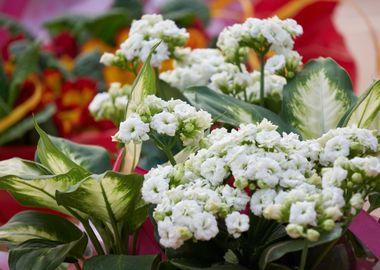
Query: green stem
303	256
324	253
89	231
92	236
262	74
166	150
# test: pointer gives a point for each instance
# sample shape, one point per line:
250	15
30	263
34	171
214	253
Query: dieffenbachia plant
77	181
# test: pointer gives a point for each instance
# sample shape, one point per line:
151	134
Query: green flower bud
312	235
357	178
294	230
241	182
328	225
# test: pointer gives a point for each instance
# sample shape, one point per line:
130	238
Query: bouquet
263	169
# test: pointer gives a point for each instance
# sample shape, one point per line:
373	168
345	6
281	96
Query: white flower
153	189
333	176
164	123
98	101
291	178
261	199
132	129
107	59
160	54
170	234
121	102
268	138
235	198
275	63
357	201
338	146
237	223
184	211
213	169
303	213
204	226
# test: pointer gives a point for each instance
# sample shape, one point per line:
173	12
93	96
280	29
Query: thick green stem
89	231
92	236
262	74
303	256
165	149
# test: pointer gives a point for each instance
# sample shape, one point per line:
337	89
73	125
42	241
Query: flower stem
303	256
165	149
262	74
323	254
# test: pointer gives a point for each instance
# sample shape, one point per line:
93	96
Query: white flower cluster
284	175
237	83
285	65
194	67
261	35
170	118
144	34
112	104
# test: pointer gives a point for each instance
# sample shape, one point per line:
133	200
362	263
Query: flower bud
294	230
357	178
357	201
312	235
273	211
328	224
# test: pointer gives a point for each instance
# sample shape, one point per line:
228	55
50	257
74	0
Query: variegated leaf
51	157
39	190
108	197
317	98
229	110
144	85
29	225
366	113
93	158
22	168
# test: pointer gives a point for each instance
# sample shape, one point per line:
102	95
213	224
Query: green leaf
167	92
95	159
230	110
144	85
39	190
44	255
13	26
29	225
186	264
337	258
134	6
51	156
279	249
106	26
21	168
109	197
185	12
88	65
317	98
374	201
4	84
365	114
65	23
120	262
26	62
19	129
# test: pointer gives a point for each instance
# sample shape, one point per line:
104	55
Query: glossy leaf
317	98
185	12
29	225
88	65
95	159
374	201
19	129
144	85
120	262
230	110
21	168
51	156
167	92
44	255
109	197
366	112
38	190
279	249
